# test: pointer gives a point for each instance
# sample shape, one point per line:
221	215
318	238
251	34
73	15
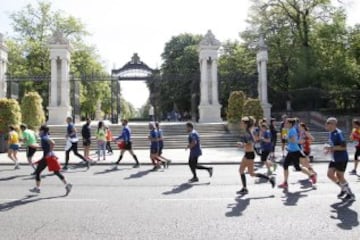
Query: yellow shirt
13	137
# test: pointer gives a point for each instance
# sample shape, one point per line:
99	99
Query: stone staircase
213	135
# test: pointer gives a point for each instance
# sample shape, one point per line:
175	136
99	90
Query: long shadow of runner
12	177
348	217
138	174
23	201
183	187
110	170
236	209
32	177
291	198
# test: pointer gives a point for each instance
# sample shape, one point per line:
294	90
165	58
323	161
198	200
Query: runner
166	162
47	145
284	133
355	136
125	136
273	132
14	144
73	144
195	152
101	140
340	159
86	135
305	140
109	138
294	154
154	147
29	140
266	148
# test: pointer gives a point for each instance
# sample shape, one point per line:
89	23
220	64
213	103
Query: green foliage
10	114
236	106
252	107
31	109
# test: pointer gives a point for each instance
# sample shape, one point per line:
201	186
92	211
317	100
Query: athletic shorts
128	145
264	155
283	141
293	158
14	147
86	142
339	166
154	150
249	155
30	151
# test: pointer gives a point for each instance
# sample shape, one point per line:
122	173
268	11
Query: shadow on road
12	177
291	198
138	174
348	218
237	208
305	184
23	201
110	170
32	177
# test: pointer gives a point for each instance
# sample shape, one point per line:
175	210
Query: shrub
235	106
10	114
252	107
32	111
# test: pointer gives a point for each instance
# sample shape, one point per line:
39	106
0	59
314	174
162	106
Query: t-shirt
86	131
154	136
45	145
101	135
196	150
125	134
266	146
355	136
247	137
29	136
336	138
71	130
283	130
13	137
293	146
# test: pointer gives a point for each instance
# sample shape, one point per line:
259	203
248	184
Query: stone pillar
59	103
209	109
262	59
3	67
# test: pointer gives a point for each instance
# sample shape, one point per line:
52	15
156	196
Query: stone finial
58	38
209	40
262	45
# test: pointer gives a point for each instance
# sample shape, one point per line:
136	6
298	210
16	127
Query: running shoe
313	179
341	194
68	188
211	171
65	168
35	190
349	197
243	191
283	185
17	166
272	182
194	179
352	172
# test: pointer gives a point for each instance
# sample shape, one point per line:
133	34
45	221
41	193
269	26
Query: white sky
121	27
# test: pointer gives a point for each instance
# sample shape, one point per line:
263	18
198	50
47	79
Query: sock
243	179
118	161
136	160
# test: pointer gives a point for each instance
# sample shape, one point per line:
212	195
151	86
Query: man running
284	133
166	162
71	136
154	147
29	140
86	135
47	145
294	154
126	137
340	159
355	136
195	152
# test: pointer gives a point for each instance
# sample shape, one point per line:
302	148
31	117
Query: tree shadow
139	174
291	198
23	201
348	218
110	170
236	209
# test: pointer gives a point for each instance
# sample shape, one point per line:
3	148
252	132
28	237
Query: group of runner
257	138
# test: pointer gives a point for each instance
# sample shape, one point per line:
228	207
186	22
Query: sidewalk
178	156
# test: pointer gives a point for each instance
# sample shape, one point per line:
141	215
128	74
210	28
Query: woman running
247	143
14	144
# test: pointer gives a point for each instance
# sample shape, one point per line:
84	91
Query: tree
235	107
10	114
252	107
31	110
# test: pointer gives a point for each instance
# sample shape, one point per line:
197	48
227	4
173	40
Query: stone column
209	109
59	107
3	67
262	59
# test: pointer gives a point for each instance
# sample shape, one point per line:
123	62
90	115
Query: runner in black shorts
355	136
247	142
337	166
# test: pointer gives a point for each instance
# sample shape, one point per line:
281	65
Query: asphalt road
139	204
